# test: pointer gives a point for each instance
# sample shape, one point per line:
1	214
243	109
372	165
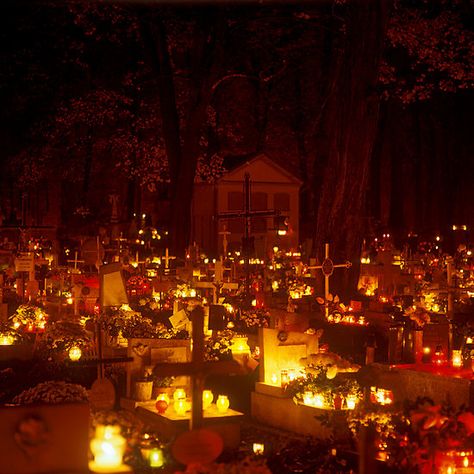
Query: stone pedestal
169	424
272	407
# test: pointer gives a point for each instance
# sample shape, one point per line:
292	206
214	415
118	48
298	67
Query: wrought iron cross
247	213
327	267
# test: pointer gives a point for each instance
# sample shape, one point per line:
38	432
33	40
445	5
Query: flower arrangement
127	323
418	315
252	319
218	348
421	437
318	382
138	285
340	313
297	288
147	306
52	392
61	336
29	317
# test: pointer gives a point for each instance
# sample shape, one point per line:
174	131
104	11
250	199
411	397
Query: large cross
198	369
327	267
247	214
167	259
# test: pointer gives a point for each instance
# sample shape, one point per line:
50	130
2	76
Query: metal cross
247	214
327	267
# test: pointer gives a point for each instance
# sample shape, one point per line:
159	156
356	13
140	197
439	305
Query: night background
367	102
237	236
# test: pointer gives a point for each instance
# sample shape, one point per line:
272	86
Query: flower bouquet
52	392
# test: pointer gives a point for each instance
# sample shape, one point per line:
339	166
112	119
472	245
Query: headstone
102	394
144	351
280	350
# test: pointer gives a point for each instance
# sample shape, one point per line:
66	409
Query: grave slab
271	407
170	424
410	381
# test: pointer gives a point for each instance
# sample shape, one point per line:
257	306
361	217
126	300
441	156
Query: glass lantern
222	403
108	447
207	398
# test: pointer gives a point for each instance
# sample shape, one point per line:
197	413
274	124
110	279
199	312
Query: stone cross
247	213
198	369
327	267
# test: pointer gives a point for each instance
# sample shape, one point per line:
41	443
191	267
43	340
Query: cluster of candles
181	405
381	396
347	319
108	447
6	340
457	462
317	400
286	376
439	358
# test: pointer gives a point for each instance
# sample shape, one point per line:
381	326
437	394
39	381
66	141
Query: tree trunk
183	148
351	123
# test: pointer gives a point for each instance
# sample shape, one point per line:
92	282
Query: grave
226	423
149	352
409	381
170	424
282	351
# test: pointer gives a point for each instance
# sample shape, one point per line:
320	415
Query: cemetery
236	238
190	363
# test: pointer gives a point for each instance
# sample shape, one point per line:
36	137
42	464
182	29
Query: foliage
130	324
52	392
418	315
218	346
429	50
320	384
419	433
60	336
252	319
161	382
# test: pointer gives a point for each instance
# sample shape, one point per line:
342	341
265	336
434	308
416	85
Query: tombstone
280	350
149	352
